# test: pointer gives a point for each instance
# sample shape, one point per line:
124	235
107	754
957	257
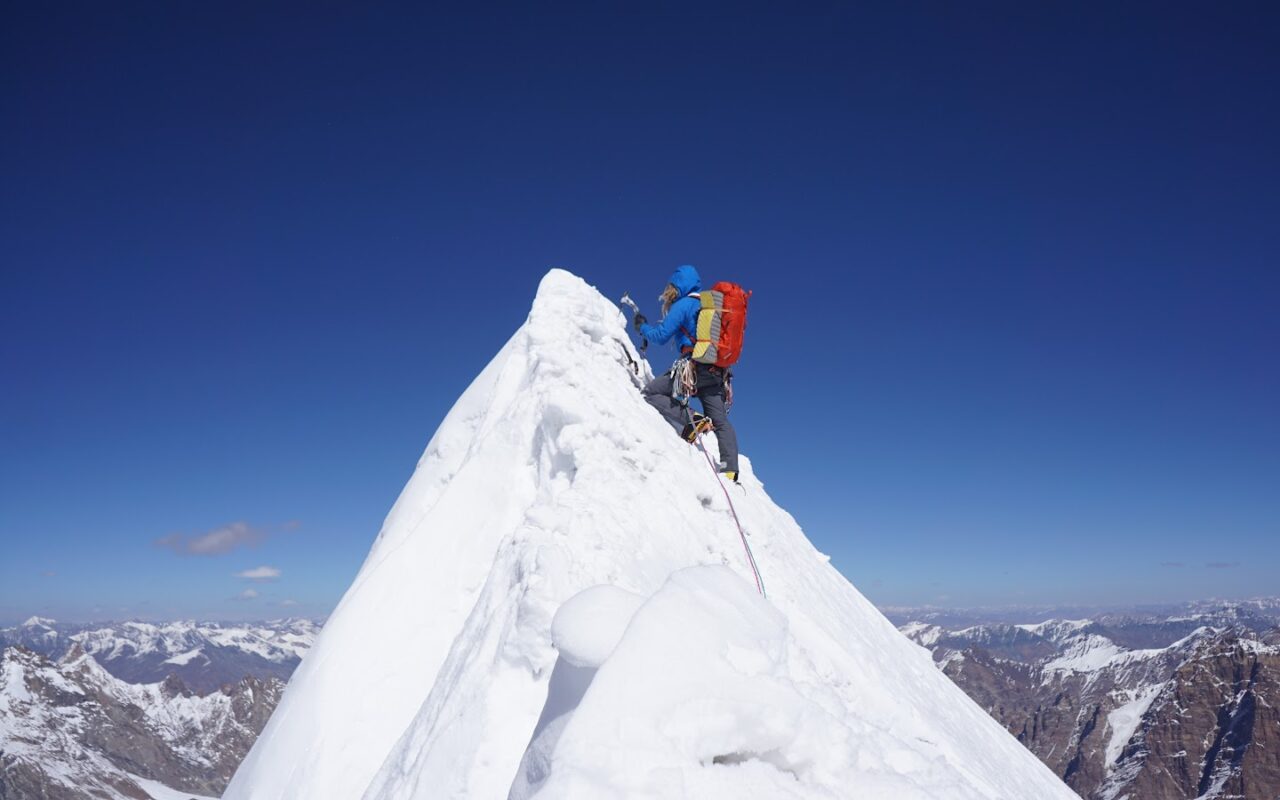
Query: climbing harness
751	559
684	380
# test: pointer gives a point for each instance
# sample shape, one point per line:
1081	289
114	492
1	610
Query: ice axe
627	301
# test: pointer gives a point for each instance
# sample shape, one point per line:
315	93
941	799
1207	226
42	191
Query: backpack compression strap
705	343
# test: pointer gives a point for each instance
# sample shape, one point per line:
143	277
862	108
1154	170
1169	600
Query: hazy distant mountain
1144	704
1258	614
204	655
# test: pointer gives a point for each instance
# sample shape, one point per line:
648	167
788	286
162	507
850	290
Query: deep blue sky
1014	335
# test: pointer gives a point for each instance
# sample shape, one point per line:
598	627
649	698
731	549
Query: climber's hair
669	295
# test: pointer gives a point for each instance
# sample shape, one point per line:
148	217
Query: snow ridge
551	477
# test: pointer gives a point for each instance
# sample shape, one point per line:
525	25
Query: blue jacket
683	312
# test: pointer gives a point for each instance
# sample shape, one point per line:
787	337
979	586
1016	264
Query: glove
639	320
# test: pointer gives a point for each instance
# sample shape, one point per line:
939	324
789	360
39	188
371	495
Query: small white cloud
263	573
247	594
289	602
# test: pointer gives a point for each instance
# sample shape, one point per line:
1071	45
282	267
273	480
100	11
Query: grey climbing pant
711	393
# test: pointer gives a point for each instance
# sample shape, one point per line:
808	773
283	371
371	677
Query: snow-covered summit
438	675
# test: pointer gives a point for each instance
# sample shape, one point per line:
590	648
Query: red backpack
721	322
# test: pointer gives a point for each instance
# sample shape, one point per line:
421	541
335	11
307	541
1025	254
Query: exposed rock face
1120	711
1212	731
71	730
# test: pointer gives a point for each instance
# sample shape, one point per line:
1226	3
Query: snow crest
438	675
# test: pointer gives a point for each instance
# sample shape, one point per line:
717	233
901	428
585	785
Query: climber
680	306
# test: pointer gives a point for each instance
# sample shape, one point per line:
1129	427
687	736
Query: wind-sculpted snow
438	676
719	698
588	626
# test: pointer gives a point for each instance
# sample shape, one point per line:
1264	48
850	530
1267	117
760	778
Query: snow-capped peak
39	622
1057	629
549	477
66	725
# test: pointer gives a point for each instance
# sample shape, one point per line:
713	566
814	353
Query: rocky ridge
70	729
1135	706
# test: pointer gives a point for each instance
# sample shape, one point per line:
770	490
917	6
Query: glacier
558	605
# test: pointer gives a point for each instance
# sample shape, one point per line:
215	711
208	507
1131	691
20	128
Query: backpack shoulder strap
697	296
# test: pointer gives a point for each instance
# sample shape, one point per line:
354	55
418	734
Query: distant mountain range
1151	704
137	710
1169	703
204	655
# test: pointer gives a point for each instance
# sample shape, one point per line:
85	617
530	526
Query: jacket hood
685	279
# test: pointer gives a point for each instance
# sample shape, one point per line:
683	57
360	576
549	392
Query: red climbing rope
741	534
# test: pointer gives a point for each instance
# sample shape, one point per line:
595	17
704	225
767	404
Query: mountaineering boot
724	470
692	430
